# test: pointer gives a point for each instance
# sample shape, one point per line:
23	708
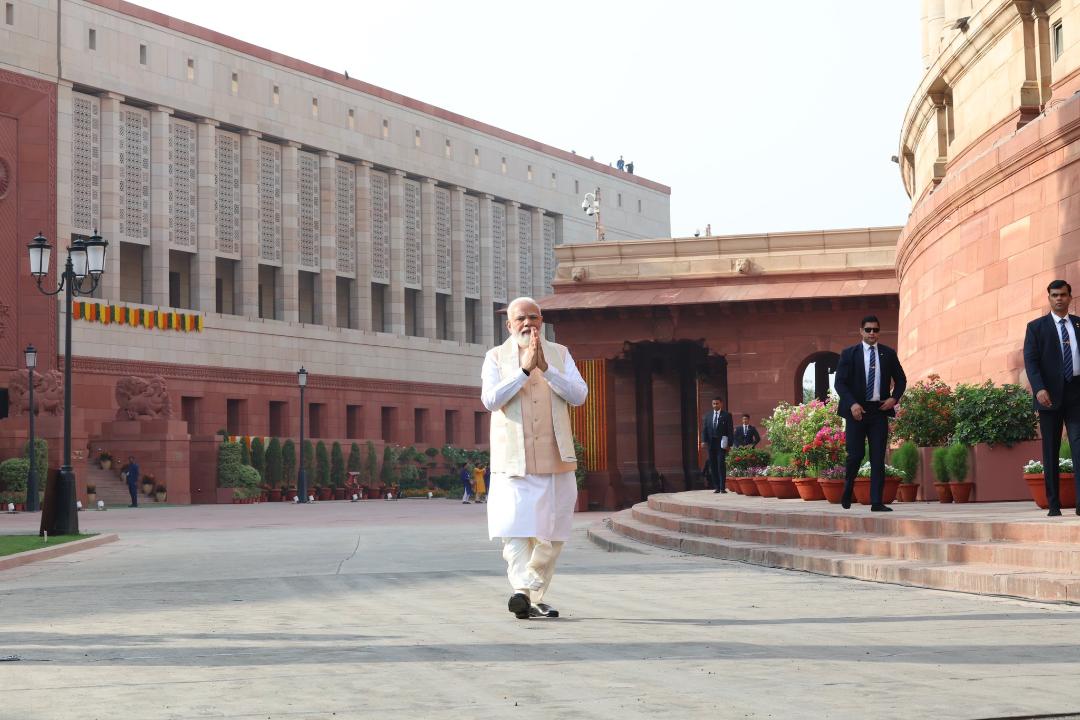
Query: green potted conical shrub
956	459
939	464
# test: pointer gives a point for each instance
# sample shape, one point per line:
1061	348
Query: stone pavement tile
397	610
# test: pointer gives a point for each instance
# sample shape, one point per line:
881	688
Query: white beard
523	339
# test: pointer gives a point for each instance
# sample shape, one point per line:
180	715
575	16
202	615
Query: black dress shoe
724	492
543	610
716	491
519	604
845	502
880	508
1054	512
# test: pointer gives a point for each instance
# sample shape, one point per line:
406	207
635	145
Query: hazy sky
761	117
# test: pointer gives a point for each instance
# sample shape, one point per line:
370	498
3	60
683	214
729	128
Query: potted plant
159	493
91	494
827	448
956	459
782	482
906	460
580	474
105	459
764	487
744	462
831	482
939	464
893	476
1035	479
1000	425
148	482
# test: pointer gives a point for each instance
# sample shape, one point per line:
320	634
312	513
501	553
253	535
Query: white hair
522	299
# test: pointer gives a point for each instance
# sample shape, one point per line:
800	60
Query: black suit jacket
752	437
711	435
851	377
1042	358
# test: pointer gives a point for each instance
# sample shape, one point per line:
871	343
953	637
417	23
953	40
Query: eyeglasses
871	330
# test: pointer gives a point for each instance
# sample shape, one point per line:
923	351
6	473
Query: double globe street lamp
301	479
31	478
85	259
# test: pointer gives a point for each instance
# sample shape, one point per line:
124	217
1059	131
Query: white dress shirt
875	392
1072	339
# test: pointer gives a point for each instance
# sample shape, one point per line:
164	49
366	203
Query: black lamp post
301	482
31	479
85	258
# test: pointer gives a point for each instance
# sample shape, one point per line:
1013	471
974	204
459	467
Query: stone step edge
639	513
1006	581
608	540
962	529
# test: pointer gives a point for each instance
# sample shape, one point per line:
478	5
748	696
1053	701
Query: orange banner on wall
134	317
590	420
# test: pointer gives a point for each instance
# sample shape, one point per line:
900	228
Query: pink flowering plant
826	449
926	414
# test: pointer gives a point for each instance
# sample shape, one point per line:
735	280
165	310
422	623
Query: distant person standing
131	474
479	486
620	164
466	482
716	433
746	434
1053	369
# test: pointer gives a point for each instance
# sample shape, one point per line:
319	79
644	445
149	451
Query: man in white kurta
529	385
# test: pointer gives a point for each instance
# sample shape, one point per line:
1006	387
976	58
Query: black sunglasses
871	330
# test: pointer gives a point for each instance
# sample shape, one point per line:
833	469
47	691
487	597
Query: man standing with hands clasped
869	381
529	385
1052	365
716	433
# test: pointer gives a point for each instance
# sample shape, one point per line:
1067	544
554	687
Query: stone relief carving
743	266
48	393
142	399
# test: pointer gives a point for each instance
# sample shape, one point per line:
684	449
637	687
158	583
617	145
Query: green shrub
41	458
258	456
275	468
939	464
13	475
956	461
229	464
371	467
245	452
337	465
1066	449
580	471
746	457
322	465
288	462
926	414
309	463
354	462
387	475
994	415
906	458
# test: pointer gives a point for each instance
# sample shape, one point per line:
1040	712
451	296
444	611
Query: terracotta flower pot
783	488
735	484
749	487
862	490
339	493
275	494
764	488
809	489
908	492
1066	489
832	489
159	497
944	494
961	491
582	504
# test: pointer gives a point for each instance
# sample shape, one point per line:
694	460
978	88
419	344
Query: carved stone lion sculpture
142	399
48	393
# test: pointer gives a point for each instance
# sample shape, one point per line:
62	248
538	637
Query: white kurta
539	506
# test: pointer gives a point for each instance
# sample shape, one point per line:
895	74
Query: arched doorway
814	377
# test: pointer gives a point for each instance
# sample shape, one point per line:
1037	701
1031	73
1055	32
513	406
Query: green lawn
11	544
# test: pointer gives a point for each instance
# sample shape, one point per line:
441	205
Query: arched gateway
660	327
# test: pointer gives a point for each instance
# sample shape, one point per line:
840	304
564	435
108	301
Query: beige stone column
1044	54
156	259
513	256
1028	95
110	196
397	252
941	120
487	280
64	162
362	297
287	289
935	24
538	288
457	264
327	300
246	301
205	277
428	261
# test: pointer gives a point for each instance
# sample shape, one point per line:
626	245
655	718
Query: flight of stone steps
110	487
992	548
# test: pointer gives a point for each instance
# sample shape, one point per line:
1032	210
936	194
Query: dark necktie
715	419
871	376
1066	352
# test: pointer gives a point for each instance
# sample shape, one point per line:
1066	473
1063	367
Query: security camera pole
591	206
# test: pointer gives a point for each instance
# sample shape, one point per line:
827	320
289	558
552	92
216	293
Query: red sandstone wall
977	253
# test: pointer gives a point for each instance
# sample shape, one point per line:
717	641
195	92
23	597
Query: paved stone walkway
397	610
